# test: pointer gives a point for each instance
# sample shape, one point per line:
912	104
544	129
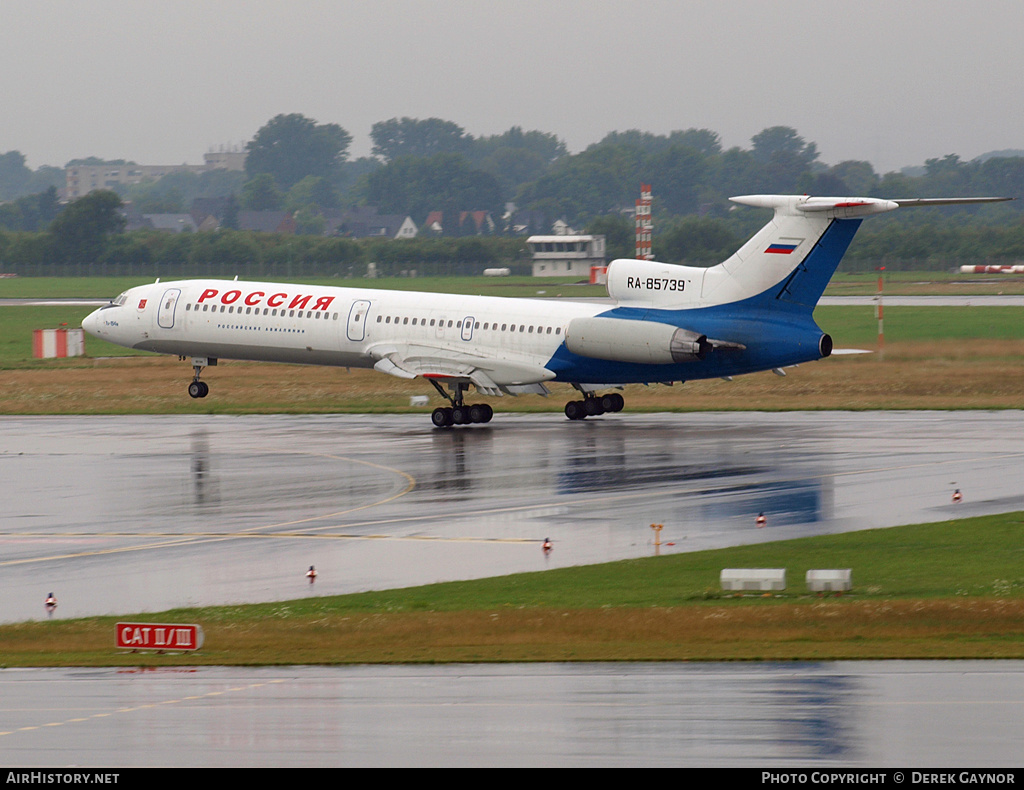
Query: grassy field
109	287
908	376
950	590
925	284
895	283
953	589
934	358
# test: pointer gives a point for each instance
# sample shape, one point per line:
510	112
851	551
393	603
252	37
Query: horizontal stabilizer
852	207
836	207
949	201
848	208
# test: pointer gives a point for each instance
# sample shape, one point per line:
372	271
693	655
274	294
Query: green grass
950	589
859	325
849	326
109	287
842	284
924	282
18	323
67	287
964	557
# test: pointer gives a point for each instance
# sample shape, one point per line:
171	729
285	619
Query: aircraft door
467	327
356	330
168	302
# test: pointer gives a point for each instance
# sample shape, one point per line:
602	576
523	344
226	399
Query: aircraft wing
490	375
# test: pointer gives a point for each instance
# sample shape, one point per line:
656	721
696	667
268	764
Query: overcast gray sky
163	81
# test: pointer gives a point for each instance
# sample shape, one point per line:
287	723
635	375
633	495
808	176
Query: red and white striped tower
881	331
643	224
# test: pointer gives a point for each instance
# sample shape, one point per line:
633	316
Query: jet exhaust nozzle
625	340
687	346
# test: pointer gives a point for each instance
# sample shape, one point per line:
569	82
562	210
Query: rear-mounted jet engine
623	340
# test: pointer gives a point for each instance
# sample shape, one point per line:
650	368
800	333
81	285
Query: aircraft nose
91	323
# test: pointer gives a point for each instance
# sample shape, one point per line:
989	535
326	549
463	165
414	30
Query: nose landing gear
197	388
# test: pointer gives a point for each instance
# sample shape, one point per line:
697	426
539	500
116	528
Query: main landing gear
197	388
458	413
593	405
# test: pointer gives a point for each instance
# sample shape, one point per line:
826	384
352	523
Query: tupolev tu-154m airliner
668	323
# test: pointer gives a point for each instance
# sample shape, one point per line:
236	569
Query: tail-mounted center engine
653	284
646	342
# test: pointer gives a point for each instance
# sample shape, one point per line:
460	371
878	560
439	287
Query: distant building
171	223
566	256
80	180
224	160
267	221
526	223
460	223
207	212
364	223
175	223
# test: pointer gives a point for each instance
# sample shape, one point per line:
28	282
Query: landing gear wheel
480	412
441	417
612	402
460	415
198	389
593	407
574	410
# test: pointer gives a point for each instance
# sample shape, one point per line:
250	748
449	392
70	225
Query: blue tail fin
806	283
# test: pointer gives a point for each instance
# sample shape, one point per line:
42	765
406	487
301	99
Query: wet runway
125	514
128	514
863	715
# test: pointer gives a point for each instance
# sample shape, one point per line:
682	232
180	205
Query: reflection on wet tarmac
206	488
145	513
818	711
811	716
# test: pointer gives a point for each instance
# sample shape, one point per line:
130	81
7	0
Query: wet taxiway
132	514
812	716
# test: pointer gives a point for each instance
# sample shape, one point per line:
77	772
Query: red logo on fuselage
255	298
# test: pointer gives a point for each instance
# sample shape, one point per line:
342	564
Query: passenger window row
319	314
487	326
477	325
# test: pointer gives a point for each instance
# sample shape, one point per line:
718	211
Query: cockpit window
117	302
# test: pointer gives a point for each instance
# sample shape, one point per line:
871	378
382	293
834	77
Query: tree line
420	166
86	238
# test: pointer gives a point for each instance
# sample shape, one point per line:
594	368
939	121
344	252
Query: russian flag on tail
781	249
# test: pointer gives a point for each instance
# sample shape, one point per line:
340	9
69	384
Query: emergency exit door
168	302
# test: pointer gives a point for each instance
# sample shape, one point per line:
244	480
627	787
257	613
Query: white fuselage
664	323
325	325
